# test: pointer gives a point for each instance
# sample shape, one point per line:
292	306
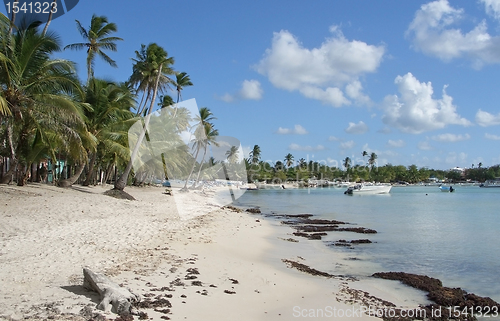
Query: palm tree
51	13
153	61
97	39
289	160
181	80
364	154
347	164
201	140
145	73
107	120
38	101
232	155
372	161
255	155
210	139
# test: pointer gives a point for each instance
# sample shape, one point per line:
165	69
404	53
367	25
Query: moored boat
368	189
443	188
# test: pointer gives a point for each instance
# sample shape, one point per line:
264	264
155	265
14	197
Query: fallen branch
113	297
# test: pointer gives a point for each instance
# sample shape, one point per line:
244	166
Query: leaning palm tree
97	38
153	61
145	73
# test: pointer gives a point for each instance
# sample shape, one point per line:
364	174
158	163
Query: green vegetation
260	171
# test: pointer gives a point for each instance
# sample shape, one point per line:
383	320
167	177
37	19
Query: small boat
368	189
491	183
446	189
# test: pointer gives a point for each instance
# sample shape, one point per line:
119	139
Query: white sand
47	234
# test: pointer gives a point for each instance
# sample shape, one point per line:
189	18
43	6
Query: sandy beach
224	265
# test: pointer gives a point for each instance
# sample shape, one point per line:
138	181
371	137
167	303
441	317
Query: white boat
491	183
446	189
368	189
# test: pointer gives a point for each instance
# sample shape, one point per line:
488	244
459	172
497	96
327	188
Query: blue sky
416	82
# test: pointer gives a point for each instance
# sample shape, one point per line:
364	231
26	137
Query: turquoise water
450	236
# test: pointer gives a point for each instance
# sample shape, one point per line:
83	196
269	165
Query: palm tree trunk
13	20
192	169
50	18
122	181
91	170
201	166
7	178
71	180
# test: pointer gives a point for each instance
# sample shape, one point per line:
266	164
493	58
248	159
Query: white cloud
486	119
492	7
450	138
396	143
491	136
354	91
333	139
347	145
424	146
306	148
385	130
415	111
227	98
297	130
250	90
321	73
359	128
431	33
455	159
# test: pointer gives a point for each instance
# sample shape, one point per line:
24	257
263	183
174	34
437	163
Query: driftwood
113	297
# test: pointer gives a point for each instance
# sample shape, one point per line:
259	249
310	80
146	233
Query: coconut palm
181	80
289	160
97	38
210	139
364	154
372	160
201	140
232	155
255	155
39	98
109	118
150	65
347	164
145	73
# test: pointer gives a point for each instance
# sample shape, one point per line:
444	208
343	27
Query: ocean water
454	237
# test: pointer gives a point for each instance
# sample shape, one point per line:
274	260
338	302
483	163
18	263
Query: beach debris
232	208
253	210
229	292
306	269
113	297
234	281
158	302
196	283
468	304
313	236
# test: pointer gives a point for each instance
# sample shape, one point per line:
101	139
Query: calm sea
454	237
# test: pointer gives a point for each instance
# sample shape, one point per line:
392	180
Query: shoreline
48	234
